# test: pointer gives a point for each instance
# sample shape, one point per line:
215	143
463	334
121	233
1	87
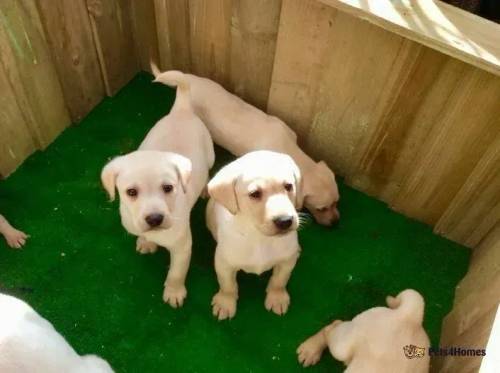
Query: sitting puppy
159	185
15	238
242	128
29	343
377	340
252	216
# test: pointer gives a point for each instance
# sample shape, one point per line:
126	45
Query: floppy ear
109	174
222	186
299	189
183	168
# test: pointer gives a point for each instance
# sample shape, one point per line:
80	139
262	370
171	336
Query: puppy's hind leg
224	302
15	238
277	298
180	256
144	246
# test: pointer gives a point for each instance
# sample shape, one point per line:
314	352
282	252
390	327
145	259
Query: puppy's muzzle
283	222
154	220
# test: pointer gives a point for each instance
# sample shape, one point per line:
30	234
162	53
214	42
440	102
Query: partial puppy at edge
14	237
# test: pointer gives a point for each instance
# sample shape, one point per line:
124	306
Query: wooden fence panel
68	31
145	36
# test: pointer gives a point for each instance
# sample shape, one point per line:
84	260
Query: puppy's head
150	184
321	194
263	188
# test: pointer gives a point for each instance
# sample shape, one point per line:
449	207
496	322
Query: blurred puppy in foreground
29	343
252	216
242	128
15	238
159	185
379	340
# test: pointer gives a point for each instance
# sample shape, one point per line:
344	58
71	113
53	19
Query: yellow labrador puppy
242	128
379	340
160	183
252	216
15	238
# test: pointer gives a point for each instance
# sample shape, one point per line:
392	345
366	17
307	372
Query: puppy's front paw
144	246
15	239
174	295
309	352
224	305
277	300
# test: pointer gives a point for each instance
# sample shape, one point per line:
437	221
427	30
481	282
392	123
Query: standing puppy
252	216
29	343
160	183
15	238
379	340
242	128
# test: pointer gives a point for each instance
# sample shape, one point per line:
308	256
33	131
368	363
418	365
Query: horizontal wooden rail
434	24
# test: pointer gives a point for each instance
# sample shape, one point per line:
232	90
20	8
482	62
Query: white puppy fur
242	128
29	343
375	340
159	185
15	238
252	216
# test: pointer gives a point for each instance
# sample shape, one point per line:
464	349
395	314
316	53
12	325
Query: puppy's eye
322	209
256	194
167	188
288	187
132	192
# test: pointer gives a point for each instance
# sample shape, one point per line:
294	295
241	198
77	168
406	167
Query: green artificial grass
80	269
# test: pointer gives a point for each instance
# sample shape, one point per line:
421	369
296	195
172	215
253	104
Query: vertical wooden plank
179	34
17	142
254	31
163	34
29	68
210	39
475	210
112	29
69	35
144	30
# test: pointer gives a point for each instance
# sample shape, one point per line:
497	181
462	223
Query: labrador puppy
252	216
15	238
242	128
159	184
380	339
29	343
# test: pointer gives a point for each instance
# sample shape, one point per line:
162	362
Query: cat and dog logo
412	351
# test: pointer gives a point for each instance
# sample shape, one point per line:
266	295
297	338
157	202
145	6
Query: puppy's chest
257	255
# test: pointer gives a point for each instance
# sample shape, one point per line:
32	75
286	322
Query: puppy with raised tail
242	128
29	343
252	216
379	340
159	184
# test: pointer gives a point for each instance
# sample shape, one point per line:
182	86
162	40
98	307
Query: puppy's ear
299	188
183	167
222	187
109	174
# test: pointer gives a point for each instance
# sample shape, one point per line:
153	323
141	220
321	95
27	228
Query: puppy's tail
174	78
409	303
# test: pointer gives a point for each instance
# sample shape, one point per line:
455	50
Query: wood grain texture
145	32
69	35
440	26
111	23
28	65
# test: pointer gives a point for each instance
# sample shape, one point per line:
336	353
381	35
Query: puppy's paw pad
145	247
16	239
277	301
309	353
223	306
174	296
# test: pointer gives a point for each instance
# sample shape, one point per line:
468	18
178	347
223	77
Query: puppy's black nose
154	220
283	222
